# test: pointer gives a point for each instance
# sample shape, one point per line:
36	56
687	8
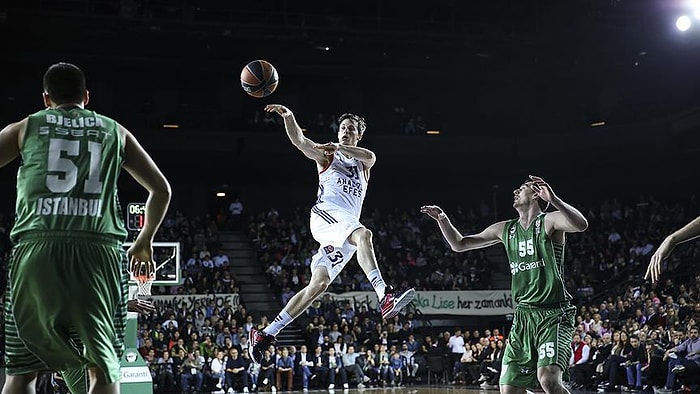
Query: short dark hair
64	83
361	124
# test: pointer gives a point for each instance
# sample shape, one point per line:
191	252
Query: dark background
513	86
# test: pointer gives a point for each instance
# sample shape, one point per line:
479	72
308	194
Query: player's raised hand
431	210
656	261
141	258
328	148
279	109
542	189
140	306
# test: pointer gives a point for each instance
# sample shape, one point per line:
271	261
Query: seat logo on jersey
516	267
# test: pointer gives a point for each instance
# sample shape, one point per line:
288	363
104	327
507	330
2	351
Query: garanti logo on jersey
525	266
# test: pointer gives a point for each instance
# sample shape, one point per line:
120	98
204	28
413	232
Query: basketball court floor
425	389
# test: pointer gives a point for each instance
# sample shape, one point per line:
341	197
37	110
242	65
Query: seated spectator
351	366
304	362
654	371
678	364
236	371
191	372
267	371
635	361
217	369
396	366
335	368
285	368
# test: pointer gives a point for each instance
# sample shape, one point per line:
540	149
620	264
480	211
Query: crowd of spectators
197	346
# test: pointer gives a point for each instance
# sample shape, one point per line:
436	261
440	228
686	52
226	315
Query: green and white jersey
67	181
536	263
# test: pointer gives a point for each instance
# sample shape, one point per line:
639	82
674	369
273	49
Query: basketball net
144	282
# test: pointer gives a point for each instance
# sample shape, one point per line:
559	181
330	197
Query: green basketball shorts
539	337
66	303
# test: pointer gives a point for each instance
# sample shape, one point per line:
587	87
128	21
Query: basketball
259	78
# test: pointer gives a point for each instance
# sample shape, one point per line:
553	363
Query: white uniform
341	191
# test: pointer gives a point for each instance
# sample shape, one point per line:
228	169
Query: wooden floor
423	389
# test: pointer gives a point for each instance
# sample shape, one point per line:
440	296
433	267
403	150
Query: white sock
375	278
281	321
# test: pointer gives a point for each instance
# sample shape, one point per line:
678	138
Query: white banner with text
163	302
475	302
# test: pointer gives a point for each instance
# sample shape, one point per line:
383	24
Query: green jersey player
538	348
67	287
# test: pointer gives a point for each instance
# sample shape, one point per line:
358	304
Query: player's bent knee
364	235
550	382
318	287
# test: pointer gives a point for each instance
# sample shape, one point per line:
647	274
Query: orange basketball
259	78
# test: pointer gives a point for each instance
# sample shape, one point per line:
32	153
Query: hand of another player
542	189
656	261
140	306
141	258
328	148
431	210
279	109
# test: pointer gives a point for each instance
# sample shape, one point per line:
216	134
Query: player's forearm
366	156
293	130
451	234
686	233
572	215
156	207
362	154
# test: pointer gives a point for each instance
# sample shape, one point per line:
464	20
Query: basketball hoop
144	280
144	283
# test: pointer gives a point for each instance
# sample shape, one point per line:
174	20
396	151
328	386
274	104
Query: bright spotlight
683	23
697	14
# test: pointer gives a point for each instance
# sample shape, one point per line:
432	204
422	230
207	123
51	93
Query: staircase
499	267
255	292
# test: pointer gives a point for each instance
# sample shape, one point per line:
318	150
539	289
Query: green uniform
544	318
66	303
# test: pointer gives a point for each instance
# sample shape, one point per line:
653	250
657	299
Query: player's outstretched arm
688	232
10	141
145	171
566	218
461	243
304	144
366	156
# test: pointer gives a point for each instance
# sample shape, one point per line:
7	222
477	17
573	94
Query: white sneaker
245	389
273	389
265	381
331	386
365	379
345	386
360	386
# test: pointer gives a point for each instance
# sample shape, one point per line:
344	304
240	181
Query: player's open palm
656	261
542	189
141	258
431	210
279	109
140	306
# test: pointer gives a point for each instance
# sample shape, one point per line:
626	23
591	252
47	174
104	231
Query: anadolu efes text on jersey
343	184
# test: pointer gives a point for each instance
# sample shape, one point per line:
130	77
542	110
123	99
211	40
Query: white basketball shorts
331	228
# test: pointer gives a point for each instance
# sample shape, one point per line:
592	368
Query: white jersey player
344	171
